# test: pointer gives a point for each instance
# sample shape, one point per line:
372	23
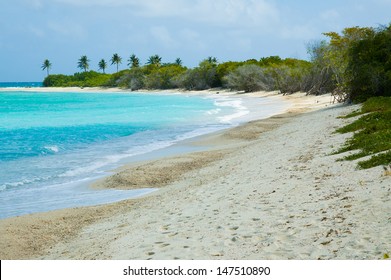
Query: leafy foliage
84	79
370	66
134	61
248	78
46	65
163	77
372	133
83	63
116	59
354	66
102	65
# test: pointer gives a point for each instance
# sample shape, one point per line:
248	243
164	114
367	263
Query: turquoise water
52	144
20	84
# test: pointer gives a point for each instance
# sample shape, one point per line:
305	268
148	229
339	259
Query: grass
372	133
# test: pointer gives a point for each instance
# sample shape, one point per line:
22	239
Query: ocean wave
236	104
52	149
21	183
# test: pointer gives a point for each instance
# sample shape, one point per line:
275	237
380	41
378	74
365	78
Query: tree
370	66
164	77
321	77
116	59
102	65
155	60
202	77
212	60
178	61
46	66
337	55
249	77
134	61
83	63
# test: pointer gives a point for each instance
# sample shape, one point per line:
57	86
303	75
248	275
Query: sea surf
54	143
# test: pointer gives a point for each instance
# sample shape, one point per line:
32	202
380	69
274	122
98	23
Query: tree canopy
116	59
83	63
352	65
46	65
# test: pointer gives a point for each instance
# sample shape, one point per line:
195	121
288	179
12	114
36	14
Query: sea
54	144
20	84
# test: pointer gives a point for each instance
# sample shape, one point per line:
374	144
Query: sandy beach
269	189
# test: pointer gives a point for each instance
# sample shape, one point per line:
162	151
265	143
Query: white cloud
249	13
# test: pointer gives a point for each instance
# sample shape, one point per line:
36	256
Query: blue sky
63	30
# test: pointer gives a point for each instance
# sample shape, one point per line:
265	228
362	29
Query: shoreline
301	204
247	104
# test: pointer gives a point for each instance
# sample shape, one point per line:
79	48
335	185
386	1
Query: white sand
271	190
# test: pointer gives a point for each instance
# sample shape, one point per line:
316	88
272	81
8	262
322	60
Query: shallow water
52	144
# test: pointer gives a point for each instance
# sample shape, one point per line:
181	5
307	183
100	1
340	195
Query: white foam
236	104
54	148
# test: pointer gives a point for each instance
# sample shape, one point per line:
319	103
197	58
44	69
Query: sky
230	30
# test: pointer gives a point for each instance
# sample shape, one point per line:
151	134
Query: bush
85	79
372	133
249	78
370	66
164	77
56	80
202	77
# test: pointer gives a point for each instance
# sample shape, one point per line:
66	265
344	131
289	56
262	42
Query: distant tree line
353	66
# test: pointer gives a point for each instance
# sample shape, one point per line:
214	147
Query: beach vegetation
372	134
83	63
164	77
46	65
102	65
320	79
248	78
199	78
134	61
83	79
178	62
116	59
155	60
352	65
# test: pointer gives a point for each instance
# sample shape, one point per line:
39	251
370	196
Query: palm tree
83	63
178	61
116	59
46	65
134	61
155	60
212	60
102	65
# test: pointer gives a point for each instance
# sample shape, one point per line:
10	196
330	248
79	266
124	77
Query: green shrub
372	133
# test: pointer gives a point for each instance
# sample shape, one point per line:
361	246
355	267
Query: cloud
248	13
